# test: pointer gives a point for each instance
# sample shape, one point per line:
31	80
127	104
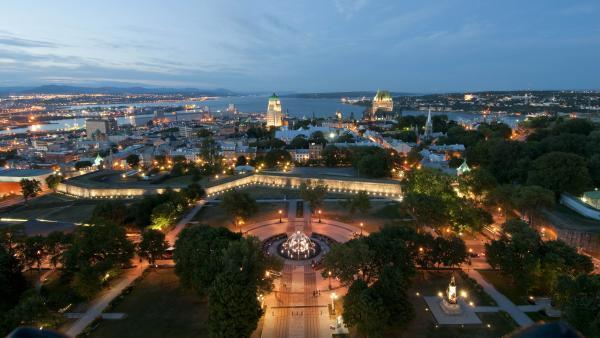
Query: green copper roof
274	97
382	94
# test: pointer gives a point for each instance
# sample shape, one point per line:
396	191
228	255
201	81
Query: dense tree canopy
95	251
560	172
198	255
521	255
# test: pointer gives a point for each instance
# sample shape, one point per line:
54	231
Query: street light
319	215
329	280
280	212
333	298
361	227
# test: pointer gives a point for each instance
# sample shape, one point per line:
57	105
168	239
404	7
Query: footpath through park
98	305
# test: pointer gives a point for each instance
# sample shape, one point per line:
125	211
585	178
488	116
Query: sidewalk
99	304
503	303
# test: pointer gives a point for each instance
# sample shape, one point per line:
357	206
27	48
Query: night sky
324	45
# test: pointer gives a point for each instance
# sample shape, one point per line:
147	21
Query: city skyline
334	45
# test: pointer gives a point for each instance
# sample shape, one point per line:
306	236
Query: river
294	107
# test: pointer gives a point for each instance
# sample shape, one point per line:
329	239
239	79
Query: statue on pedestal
449	303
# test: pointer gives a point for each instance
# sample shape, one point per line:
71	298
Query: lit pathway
106	296
293	309
503	303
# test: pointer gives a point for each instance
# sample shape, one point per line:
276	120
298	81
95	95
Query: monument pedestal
449	308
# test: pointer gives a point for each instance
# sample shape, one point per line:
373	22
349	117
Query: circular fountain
298	246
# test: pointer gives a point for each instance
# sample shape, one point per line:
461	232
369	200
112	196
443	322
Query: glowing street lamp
319	215
361	227
280	213
329	280
333	298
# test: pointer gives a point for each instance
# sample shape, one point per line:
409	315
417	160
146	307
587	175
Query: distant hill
64	89
337	95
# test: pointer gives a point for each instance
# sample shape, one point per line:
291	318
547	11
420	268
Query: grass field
53	207
215	216
381	212
505	286
157	307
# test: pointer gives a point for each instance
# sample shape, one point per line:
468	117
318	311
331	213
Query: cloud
13	41
348	8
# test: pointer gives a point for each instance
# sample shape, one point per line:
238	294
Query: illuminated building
274	114
381	102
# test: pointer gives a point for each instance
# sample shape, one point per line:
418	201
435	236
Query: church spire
428	126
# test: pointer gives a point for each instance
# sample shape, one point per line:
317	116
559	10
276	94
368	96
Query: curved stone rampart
385	189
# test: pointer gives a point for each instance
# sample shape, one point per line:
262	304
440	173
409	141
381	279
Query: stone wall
588	241
389	189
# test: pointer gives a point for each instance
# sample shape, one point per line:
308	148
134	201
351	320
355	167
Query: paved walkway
101	302
503	303
293	309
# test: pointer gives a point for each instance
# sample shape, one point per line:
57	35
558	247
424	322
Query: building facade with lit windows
274	112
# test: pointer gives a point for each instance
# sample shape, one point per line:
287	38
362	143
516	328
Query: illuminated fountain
298	246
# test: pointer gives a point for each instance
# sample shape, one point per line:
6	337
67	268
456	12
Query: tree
33	251
152	246
133	160
193	192
580	304
516	253
95	251
478	183
559	258
359	203
428	210
233	309
209	150
30	188
239	205
163	216
33	311
110	212
344	261
373	162
52	181
449	252
299	142
12	282
531	199
430	182
56	243
313	194
198	255
365	309
560	172
275	157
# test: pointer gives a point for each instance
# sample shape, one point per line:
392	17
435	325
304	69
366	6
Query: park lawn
214	215
381	213
53	207
158	306
504	285
182	181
